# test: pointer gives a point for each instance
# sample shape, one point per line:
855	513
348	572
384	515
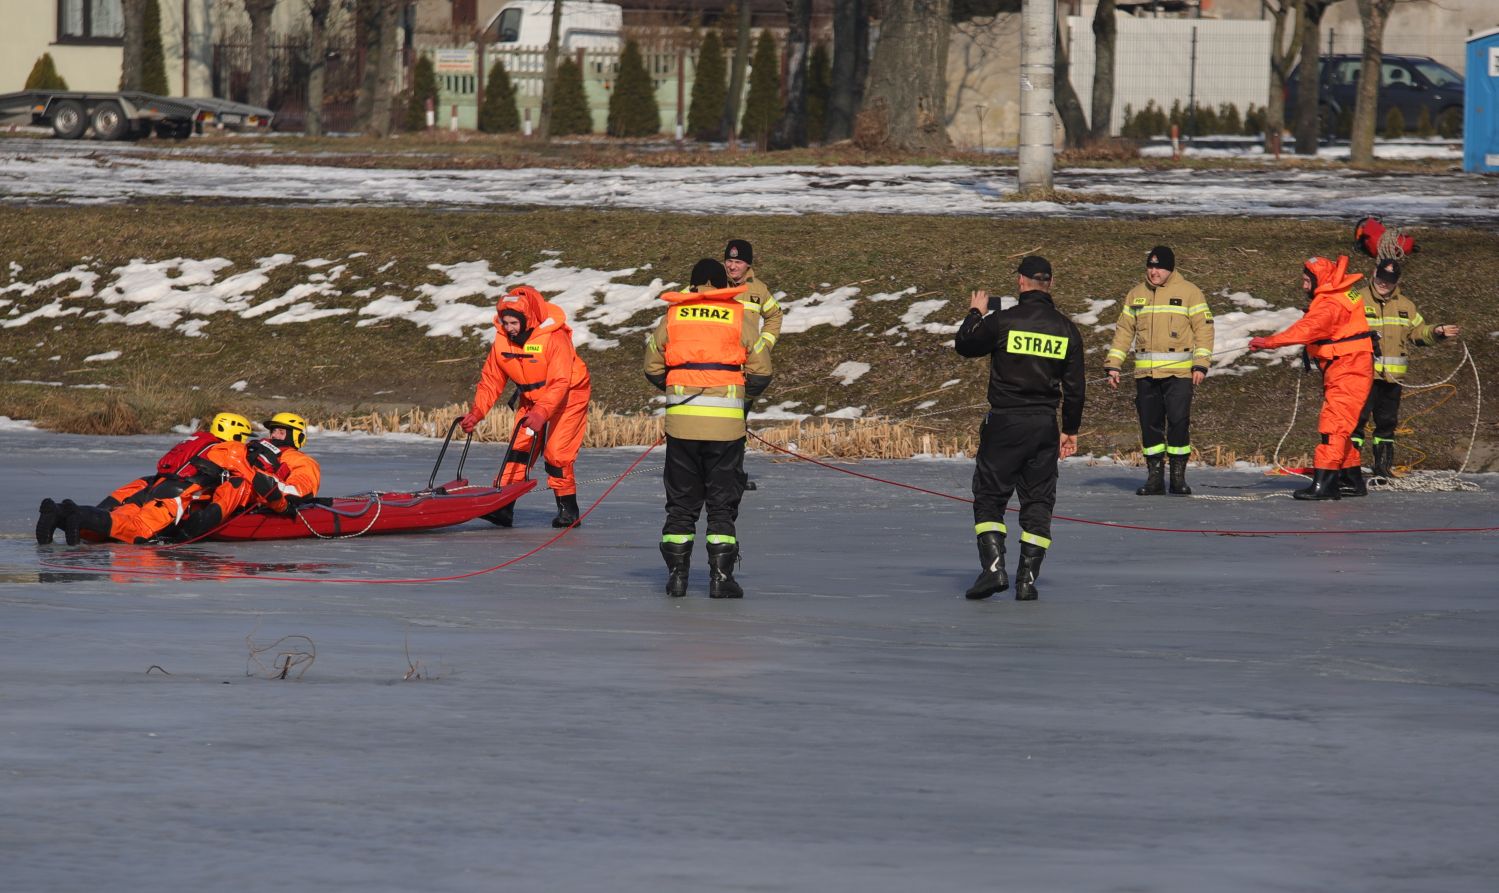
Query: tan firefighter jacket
1170	330
1399	326
763	305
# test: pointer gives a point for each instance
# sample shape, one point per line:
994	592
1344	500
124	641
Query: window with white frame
90	20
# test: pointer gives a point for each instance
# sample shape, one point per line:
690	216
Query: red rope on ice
190	575
1116	524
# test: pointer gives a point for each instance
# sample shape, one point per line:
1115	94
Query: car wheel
68	119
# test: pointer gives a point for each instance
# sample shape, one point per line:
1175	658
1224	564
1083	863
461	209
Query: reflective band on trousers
1034	540
716	539
677	538
984	527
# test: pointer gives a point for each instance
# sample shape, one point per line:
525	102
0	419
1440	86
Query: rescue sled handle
437	466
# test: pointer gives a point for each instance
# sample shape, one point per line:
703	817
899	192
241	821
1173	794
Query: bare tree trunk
1286	14
317	73
260	12
850	46
791	130
908	75
729	124
134	13
367	36
387	69
1374	15
1309	78
1069	107
1105	30
549	73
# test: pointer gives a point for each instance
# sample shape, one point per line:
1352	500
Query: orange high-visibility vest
704	343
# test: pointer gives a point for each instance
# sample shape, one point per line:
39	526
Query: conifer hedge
499	114
570	113
632	106
423	87
762	108
153	57
44	75
709	89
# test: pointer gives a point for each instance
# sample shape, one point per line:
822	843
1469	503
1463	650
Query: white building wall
1154	61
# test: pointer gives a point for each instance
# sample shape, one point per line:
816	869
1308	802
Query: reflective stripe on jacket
1169	328
1400	327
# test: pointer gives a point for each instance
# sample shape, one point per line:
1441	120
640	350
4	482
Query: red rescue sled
371	513
365	514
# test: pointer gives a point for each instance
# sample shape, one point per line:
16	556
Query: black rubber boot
501	517
1030	568
1351	482
78	518
567	511
678	560
1179	476
1324	485
199	523
1155	477
1384	461
721	582
992	578
47	521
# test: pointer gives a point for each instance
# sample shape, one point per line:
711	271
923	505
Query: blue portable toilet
1481	104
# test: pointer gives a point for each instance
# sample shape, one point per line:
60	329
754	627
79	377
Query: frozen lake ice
1177	712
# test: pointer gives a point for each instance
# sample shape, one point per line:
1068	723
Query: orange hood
541	315
1329	277
711	294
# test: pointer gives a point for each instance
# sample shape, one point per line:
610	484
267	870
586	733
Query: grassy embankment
376	376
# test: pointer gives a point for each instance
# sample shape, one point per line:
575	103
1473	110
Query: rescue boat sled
366	514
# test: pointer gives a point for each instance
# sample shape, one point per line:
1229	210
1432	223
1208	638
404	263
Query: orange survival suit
1338	338
553	387
221	481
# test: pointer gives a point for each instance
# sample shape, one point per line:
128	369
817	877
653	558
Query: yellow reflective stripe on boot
677	538
984	527
1027	537
715	539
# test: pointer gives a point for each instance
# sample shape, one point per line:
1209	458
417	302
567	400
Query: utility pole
1037	82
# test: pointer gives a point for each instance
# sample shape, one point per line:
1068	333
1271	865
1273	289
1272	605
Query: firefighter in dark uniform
1393	317
702	355
1166	321
1036	362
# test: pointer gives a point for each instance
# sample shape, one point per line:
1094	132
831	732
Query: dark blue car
1409	83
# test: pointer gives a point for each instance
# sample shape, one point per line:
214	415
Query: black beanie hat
738	249
1388	270
709	272
1161	256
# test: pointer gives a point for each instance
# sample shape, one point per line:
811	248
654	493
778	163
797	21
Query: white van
585	24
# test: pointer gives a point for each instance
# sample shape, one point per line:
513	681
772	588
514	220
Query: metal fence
671	70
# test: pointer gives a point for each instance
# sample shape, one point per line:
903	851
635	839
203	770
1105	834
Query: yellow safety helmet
230	426
295	425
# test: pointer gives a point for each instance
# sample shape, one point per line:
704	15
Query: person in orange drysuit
223	481
1338	338
533	347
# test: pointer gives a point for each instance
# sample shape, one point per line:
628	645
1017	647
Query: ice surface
1179	711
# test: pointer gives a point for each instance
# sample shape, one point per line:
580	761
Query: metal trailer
128	115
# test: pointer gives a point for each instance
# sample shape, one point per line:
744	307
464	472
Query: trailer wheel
68	119
110	122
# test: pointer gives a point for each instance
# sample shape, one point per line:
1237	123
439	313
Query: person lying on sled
220	481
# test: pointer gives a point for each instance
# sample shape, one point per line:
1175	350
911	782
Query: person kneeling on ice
216	483
702	354
533	347
1337	336
173	471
